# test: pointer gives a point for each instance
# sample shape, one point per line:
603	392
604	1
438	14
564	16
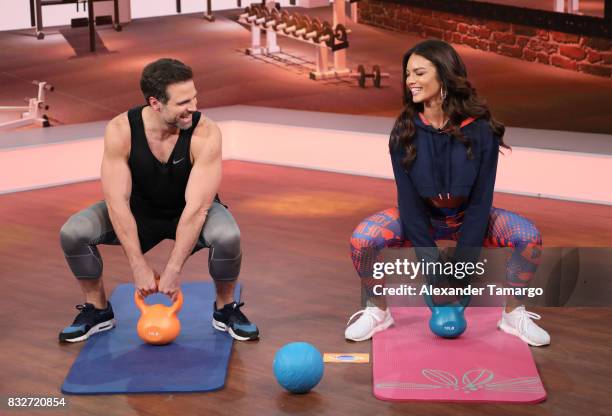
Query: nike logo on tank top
158	189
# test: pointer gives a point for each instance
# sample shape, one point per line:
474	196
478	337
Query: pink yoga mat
483	365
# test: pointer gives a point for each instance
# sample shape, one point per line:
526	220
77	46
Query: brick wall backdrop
568	51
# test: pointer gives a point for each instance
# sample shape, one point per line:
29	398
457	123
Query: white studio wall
306	140
152	8
15	15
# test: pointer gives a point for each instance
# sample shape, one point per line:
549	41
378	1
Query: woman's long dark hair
461	100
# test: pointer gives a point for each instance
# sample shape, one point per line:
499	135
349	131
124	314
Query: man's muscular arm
202	186
117	187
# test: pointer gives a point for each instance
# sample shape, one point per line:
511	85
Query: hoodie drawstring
440	148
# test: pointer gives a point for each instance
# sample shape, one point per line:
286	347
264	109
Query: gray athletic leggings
92	226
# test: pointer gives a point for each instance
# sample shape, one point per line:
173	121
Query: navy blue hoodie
442	168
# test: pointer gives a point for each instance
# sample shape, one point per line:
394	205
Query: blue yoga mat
118	361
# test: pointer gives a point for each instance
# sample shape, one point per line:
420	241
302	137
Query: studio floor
92	87
299	284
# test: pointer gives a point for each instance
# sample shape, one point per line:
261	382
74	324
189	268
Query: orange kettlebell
158	324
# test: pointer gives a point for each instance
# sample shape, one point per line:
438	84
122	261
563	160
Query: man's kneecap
225	255
83	259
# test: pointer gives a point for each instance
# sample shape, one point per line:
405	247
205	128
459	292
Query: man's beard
185	125
182	124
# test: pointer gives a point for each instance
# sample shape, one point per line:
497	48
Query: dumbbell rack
341	70
273	25
256	23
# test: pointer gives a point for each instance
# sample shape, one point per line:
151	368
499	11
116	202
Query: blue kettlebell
447	320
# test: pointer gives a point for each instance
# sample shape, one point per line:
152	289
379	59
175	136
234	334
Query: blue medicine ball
298	367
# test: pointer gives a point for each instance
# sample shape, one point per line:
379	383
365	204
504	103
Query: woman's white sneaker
520	323
371	320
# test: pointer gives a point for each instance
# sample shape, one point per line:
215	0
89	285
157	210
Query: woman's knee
371	236
377	231
518	231
526	234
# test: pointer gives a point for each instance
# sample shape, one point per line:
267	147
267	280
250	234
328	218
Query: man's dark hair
157	75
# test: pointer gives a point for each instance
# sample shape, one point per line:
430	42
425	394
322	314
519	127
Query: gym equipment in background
37	20
321	34
339	68
271	19
376	75
324	35
33	112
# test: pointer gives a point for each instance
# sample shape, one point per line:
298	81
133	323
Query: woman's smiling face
422	79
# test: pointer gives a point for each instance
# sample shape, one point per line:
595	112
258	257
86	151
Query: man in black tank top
160	173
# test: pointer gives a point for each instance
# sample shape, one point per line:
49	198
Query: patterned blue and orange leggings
505	229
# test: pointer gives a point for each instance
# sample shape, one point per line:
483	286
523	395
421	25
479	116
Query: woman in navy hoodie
444	149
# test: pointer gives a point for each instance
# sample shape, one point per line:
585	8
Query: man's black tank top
158	189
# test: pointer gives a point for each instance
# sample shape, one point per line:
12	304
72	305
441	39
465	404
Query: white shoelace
367	311
524	317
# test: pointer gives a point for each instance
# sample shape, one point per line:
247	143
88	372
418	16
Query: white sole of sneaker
383	325
220	326
509	330
101	327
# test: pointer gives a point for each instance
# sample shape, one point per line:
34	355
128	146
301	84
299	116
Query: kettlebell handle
462	303
178	304
175	308
465	301
139	300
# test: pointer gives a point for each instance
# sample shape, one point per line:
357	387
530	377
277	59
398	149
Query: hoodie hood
423	123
